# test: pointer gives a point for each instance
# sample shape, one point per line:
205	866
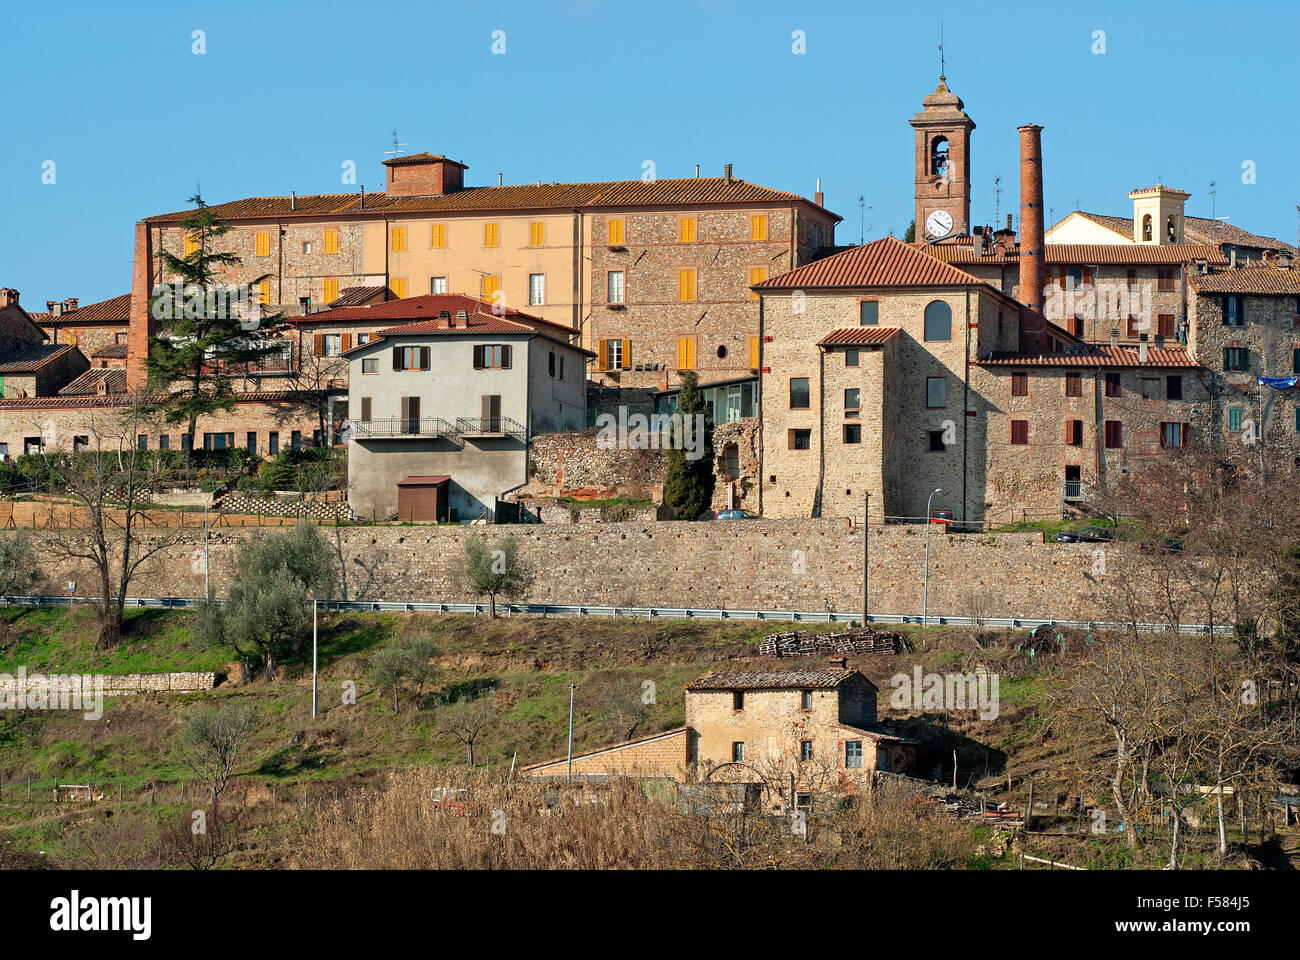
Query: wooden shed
423	498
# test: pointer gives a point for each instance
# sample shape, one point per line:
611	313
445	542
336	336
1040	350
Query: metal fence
667	613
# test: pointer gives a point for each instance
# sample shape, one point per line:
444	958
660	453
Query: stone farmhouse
817	726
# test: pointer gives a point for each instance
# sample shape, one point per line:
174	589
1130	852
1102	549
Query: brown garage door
422	498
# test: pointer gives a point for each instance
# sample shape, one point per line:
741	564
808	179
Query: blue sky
587	90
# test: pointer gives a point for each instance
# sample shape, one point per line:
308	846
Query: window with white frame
437	284
536	288
614	286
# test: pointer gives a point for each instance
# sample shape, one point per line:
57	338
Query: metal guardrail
669	613
491	427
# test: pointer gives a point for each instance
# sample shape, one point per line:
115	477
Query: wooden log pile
863	640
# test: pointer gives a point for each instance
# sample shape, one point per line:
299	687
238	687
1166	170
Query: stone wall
570	461
40	686
803	564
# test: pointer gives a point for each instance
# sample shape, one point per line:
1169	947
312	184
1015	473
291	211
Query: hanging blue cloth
1279	383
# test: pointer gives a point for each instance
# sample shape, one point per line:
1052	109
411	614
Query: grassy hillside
527	663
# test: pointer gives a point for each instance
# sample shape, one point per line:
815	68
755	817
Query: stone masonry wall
785	564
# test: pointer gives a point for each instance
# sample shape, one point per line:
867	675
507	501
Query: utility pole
866	552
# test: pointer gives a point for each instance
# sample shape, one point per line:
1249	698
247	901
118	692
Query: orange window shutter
536	234
191	245
331	291
438	236
758	228
627	354
332	240
753	352
602	355
318	345
263	245
399	287
264	291
616	231
756	275
690	353
489	235
347	341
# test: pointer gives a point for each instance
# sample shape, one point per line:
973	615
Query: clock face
938	224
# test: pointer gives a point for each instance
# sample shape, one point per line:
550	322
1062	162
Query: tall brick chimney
423	175
1033	329
8	297
142	325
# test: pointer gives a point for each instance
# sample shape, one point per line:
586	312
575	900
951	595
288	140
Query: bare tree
212	742
466	721
113	484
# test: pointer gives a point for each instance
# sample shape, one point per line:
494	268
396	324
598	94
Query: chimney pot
1142	351
8	297
839	660
726	172
70	304
1114	336
1008	221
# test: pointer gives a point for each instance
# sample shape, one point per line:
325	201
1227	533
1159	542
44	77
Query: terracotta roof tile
1066	254
415	158
888	262
117	400
113	310
789	680
354	297
1264	279
1199	230
1093	355
111	351
616	193
428	306
87	384
31	357
853	336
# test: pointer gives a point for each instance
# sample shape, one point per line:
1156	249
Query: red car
942	516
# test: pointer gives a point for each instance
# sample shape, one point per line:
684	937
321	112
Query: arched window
1171	236
938	321
1146	227
939	157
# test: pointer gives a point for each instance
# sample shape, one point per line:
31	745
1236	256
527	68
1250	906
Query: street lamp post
866	553
315	606
925	589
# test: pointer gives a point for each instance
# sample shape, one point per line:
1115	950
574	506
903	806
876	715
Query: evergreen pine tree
203	337
688	488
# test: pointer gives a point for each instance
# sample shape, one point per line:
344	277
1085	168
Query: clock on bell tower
942	165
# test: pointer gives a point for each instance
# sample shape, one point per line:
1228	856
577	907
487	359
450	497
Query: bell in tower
942	162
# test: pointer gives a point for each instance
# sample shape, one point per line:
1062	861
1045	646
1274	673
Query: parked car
942	516
735	515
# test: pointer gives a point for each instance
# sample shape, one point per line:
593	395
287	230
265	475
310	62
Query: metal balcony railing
1073	490
491	427
406	427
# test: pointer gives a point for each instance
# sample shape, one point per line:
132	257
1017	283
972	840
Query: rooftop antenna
868	221
1213	191
942	71
997	199
862	219
397	146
